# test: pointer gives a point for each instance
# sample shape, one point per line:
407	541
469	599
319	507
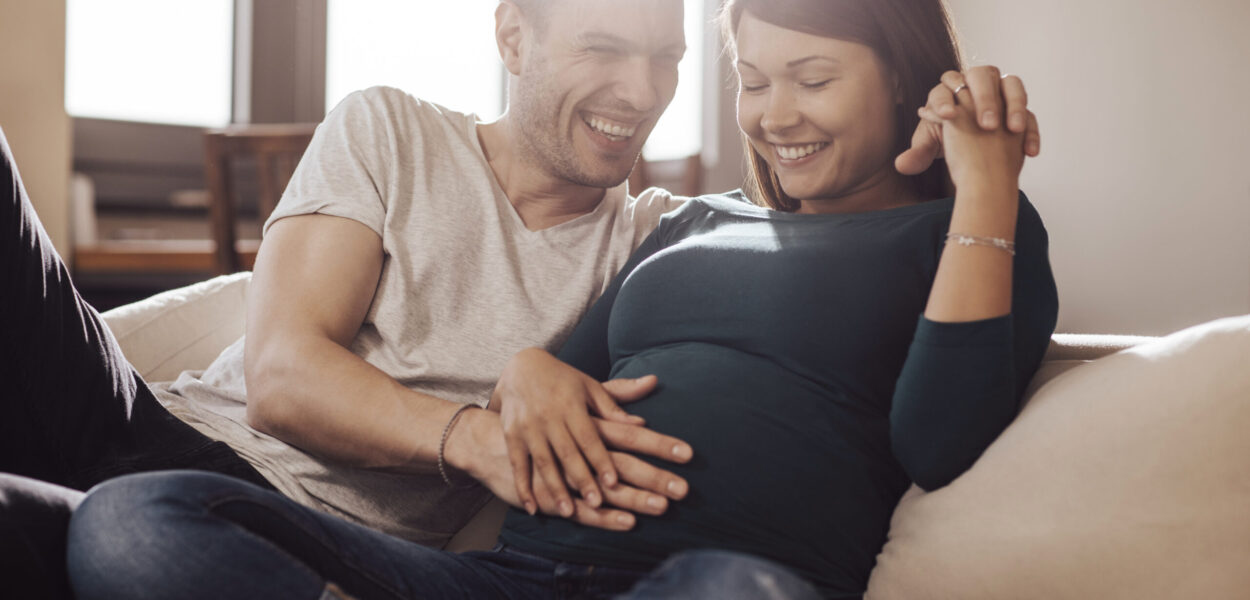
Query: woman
785	342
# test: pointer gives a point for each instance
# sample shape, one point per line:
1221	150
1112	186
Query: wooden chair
275	149
682	176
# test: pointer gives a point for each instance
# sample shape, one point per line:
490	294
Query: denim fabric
199	535
721	574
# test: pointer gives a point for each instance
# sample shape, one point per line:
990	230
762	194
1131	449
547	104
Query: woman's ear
509	35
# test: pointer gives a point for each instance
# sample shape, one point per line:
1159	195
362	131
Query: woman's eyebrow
796	62
806	59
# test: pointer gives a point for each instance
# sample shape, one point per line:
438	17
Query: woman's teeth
797	152
612	131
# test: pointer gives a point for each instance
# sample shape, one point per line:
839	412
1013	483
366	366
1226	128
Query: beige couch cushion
1126	477
181	329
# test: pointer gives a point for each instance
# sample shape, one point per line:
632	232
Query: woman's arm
982	334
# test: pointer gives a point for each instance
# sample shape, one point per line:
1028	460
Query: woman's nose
781	112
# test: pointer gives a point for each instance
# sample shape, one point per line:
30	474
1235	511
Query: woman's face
821	111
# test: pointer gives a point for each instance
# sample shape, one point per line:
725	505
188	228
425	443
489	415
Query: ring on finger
962	87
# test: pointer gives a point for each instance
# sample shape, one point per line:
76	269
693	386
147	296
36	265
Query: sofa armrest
182	329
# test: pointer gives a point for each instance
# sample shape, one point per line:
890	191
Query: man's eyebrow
796	62
599	37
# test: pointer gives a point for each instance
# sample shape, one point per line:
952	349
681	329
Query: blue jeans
185	534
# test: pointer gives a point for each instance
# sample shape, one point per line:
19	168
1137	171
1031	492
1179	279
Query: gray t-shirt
463	286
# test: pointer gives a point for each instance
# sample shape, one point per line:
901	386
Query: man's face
595	79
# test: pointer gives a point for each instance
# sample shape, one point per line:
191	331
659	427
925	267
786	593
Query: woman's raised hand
554	442
982	92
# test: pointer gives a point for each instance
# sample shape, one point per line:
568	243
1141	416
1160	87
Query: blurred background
1143	179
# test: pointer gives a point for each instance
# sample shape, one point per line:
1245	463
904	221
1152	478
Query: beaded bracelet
442	445
969	240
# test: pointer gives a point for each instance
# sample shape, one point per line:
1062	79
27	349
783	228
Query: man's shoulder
397	110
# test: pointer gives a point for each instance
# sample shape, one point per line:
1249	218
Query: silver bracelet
969	240
442	445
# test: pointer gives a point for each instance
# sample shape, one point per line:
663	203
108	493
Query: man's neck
540	199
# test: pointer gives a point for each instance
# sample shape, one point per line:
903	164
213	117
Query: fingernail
946	108
566	508
655	502
625	520
609	479
681	451
1017	122
1033	147
530	508
988	119
677	488
592	497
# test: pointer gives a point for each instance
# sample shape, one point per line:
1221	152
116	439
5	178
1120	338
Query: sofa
1125	475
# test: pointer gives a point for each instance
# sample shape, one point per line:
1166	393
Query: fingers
987	95
1032	137
577	473
640	439
604	518
1017	101
926	147
645	476
591	447
549	473
942	96
629	390
521	473
603	399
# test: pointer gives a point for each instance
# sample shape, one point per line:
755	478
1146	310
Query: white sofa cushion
1126	477
181	329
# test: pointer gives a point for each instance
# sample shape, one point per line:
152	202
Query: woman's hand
983	93
476	446
545	408
978	159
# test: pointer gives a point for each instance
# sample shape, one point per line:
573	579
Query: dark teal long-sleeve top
793	356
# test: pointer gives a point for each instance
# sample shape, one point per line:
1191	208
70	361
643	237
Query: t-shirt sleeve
962	383
343	172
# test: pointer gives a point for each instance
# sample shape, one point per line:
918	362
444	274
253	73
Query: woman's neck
885	190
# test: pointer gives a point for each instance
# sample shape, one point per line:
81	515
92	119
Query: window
680	132
151	61
442	52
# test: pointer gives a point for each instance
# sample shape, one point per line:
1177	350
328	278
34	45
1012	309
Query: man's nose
781	112
636	84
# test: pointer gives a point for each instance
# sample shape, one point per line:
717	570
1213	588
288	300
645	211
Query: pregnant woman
857	330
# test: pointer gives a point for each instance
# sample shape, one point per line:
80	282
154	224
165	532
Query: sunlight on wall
443	52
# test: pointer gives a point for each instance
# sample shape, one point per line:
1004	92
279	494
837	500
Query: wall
1142	179
32	106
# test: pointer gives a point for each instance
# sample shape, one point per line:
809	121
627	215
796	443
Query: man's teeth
797	152
615	132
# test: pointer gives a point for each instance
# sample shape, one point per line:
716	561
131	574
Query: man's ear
510	32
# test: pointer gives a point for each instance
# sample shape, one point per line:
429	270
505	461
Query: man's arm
315	278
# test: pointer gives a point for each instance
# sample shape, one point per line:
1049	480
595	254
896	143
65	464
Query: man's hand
545	408
992	95
476	445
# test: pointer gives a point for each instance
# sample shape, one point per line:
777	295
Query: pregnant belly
783	467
